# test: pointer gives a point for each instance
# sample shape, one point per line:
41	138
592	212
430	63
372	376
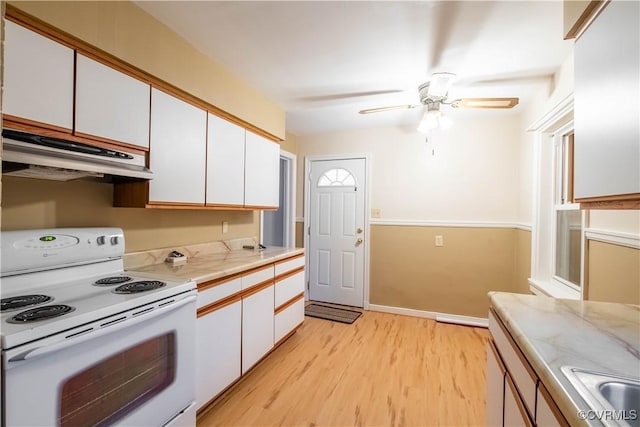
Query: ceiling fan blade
440	84
393	107
492	103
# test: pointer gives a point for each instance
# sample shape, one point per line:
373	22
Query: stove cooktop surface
53	308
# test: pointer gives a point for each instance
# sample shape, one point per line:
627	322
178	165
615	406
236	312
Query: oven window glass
109	390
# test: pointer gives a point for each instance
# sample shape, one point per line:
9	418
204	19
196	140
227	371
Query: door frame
289	187
307	201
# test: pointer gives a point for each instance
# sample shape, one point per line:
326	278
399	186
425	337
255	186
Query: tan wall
30	203
125	31
409	271
299	234
613	273
522	270
290	143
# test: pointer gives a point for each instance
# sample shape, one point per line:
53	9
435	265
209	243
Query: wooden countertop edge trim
290	258
289	273
224	279
289	303
217	305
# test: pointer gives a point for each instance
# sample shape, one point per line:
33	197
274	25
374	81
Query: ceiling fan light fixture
431	119
440	84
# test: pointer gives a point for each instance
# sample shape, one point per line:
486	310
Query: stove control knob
101	240
115	240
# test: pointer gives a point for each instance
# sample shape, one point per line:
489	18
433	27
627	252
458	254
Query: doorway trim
367	195
289	187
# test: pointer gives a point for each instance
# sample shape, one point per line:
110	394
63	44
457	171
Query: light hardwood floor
384	370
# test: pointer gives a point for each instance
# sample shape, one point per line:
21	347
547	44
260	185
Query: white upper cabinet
177	151
607	106
262	172
38	78
111	104
225	162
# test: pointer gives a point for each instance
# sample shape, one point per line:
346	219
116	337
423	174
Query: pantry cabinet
110	104
38	79
177	151
607	107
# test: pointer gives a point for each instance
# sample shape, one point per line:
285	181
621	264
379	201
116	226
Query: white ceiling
323	61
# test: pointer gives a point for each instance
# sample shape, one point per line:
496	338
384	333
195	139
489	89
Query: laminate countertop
206	262
552	333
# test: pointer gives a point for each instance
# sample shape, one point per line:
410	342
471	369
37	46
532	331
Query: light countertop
552	333
206	261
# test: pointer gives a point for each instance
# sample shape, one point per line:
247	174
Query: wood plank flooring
384	370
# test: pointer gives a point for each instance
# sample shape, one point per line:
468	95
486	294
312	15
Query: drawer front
514	361
288	265
258	276
547	413
218	292
288	288
288	319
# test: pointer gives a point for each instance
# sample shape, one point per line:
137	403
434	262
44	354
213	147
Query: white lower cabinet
495	387
257	326
515	394
288	319
218	355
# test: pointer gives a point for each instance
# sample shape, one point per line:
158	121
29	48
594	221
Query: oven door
138	371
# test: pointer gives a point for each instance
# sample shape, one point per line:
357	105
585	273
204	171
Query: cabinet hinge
307	285
309	230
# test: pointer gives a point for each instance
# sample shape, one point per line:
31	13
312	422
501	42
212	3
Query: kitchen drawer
289	264
258	276
289	318
521	373
288	287
218	291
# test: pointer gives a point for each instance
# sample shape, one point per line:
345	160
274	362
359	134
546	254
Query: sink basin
622	396
614	399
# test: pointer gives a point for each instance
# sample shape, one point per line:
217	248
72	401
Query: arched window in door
337	178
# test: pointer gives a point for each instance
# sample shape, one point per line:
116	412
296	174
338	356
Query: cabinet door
262	172
547	413
607	106
225	162
38	78
514	412
257	327
177	151
111	104
495	387
218	351
288	318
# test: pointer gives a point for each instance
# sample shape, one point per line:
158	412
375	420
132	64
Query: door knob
359	230
359	242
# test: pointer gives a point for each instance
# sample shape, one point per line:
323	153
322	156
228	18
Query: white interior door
337	231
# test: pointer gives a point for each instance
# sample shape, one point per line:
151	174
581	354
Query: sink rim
587	383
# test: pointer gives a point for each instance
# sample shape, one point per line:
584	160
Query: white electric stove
114	347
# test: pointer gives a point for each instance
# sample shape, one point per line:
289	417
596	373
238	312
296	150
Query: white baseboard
439	317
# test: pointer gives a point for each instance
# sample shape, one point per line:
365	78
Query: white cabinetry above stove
38	79
111	104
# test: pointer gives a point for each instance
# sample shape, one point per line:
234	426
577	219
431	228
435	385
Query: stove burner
140	286
110	281
41	313
22	301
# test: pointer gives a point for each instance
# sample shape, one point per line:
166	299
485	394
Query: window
567	215
558	223
337	177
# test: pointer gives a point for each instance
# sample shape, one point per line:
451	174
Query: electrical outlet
439	241
225	226
375	213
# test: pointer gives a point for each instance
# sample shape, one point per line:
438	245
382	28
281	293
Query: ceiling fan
434	93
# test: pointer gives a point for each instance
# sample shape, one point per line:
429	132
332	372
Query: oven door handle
96	333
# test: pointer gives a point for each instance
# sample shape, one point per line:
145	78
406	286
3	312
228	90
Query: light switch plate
225	226
439	241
